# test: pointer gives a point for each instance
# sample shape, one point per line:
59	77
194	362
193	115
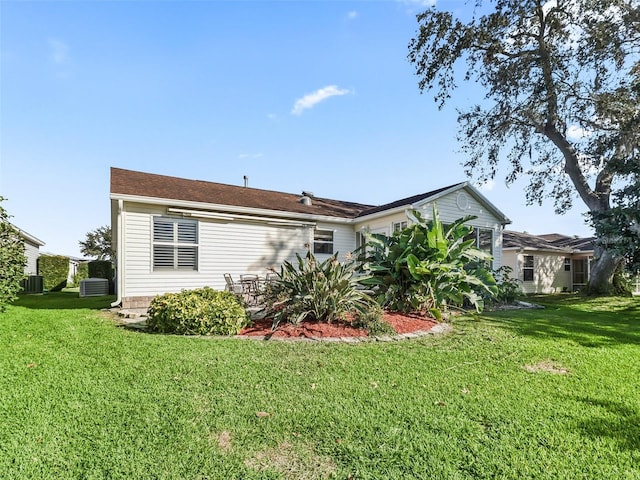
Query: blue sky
306	95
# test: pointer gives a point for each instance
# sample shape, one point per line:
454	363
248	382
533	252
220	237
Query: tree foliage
12	259
98	244
562	82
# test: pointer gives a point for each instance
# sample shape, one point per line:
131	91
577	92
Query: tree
98	244
12	259
562	81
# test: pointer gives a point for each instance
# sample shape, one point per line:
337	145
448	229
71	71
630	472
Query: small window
397	226
323	241
175	244
567	264
527	268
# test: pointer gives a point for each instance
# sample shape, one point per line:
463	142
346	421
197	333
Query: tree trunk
602	270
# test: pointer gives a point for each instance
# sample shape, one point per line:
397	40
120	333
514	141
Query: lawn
551	393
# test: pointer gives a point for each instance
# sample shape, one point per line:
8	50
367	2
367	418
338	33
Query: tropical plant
322	291
508	287
562	82
202	311
12	259
428	266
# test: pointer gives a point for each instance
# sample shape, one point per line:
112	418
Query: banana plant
427	266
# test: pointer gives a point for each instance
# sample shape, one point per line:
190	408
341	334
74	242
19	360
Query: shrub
12	260
508	287
100	269
321	291
372	321
428	267
81	273
54	270
203	311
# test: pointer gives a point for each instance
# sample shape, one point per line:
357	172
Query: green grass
83	398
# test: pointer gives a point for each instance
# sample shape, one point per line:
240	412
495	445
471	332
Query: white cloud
58	51
352	15
577	133
252	156
312	99
487	186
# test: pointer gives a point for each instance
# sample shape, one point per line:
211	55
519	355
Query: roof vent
307	194
305	200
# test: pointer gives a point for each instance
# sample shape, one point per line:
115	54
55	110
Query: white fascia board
214	207
539	250
383	213
30	238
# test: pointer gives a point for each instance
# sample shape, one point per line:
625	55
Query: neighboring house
31	251
172	233
547	263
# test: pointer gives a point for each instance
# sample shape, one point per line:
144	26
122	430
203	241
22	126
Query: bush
372	321
81	273
100	269
12	260
508	287
54	270
321	291
203	311
428	267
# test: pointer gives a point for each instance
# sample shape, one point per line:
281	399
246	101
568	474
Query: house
31	251
547	263
173	233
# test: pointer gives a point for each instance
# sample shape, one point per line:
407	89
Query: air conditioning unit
93	287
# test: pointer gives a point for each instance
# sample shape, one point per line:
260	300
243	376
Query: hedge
54	270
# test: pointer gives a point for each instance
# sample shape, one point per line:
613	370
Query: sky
297	95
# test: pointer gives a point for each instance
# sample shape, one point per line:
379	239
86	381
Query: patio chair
232	286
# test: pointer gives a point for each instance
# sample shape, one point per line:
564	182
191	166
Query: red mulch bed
401	323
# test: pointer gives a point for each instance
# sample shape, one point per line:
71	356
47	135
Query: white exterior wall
32	252
448	211
549	275
236	247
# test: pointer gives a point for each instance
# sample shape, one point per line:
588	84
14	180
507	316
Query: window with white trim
397	226
323	241
527	268
567	264
175	244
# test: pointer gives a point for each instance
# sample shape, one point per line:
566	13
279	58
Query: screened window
567	264
323	241
527	268
175	244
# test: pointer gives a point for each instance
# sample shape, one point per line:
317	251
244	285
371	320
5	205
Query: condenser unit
93	287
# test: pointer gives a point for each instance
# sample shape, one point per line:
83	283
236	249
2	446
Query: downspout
119	259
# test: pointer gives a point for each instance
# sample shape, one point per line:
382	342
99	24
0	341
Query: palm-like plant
323	291
428	266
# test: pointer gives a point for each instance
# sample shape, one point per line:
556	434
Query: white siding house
31	252
172	234
547	263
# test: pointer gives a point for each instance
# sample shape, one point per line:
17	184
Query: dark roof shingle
129	182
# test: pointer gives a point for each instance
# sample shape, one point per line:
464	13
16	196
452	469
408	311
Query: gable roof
131	183
553	242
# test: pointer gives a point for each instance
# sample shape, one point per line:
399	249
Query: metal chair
232	286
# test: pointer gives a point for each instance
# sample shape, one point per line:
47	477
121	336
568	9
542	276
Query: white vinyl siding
31	252
234	247
448	210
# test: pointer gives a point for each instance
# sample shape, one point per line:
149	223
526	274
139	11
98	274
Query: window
397	226
323	241
527	268
483	240
567	264
175	244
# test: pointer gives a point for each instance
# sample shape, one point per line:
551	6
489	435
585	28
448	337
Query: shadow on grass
63	301
620	422
590	322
